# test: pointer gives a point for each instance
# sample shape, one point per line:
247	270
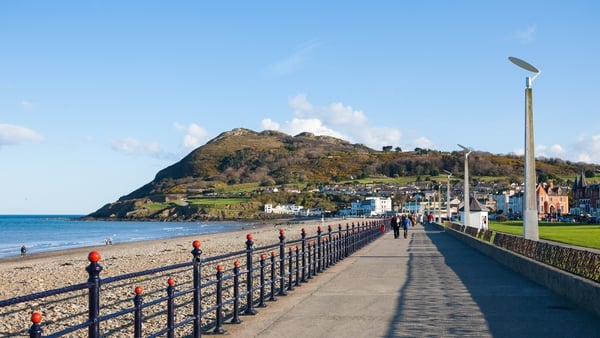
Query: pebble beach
45	271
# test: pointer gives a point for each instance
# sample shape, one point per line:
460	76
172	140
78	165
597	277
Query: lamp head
527	66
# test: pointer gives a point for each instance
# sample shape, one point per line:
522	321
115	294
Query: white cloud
340	114
527	35
12	134
300	105
268	124
194	137
587	149
337	120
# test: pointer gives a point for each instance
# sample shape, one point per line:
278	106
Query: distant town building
586	197
371	206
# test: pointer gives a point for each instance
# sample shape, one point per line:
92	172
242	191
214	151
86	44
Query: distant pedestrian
23	250
396	226
430	217
405	225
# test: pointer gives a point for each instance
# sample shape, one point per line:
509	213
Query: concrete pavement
429	285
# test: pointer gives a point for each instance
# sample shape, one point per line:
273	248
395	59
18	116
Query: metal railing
190	298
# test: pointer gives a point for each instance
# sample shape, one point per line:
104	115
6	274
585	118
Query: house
478	215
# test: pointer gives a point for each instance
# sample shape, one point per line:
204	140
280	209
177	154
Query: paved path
429	285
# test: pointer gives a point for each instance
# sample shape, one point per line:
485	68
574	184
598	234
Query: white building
372	206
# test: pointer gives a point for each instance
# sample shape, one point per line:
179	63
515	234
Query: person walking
396	226
405	225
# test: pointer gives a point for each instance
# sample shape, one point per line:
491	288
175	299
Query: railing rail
199	297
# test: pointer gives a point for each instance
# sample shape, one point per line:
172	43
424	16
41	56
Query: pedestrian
396	226
405	225
23	250
430	217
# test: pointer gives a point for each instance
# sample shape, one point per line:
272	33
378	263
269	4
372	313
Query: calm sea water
41	233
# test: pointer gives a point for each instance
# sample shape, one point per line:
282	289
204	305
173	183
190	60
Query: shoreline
36	272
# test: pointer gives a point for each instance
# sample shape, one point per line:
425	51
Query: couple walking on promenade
401	221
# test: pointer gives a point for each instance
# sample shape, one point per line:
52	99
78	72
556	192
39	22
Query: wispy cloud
26	104
527	35
133	146
13	135
294	62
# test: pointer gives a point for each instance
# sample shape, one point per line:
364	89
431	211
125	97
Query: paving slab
429	285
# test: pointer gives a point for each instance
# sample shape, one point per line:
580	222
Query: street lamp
467	207
448	212
530	215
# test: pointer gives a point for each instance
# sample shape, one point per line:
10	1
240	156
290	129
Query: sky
96	97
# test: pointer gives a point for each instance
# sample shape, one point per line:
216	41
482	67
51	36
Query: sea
43	233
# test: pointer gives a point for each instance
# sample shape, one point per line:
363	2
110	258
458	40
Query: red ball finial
171	281
303	230
236	264
319	228
219	267
196	244
94	257
249	237
36	317
282	232
273	253
262	256
138	290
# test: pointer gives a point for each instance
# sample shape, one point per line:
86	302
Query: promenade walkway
429	285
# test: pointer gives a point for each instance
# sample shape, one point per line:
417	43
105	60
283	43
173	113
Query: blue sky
97	96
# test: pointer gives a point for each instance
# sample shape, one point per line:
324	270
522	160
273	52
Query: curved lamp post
467	207
530	212
448	212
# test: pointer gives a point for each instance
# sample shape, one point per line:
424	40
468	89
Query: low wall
580	290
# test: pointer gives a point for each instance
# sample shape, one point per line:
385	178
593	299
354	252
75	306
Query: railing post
304	255
261	302
347	241
249	267
282	291
171	308
219	311
137	304
273	277
309	267
290	269
236	293
35	331
297	265
197	252
340	243
315	260
330	254
94	282
319	267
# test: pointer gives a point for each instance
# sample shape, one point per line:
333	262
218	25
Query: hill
242	158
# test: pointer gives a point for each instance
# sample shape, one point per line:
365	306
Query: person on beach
405	225
23	250
396	226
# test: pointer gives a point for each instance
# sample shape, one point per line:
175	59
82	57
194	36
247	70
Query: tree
387	148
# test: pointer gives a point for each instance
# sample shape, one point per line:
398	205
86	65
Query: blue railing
190	298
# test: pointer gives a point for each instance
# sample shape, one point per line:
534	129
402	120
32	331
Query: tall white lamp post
448	211
467	207
530	215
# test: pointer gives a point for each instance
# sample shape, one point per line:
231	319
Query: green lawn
585	235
